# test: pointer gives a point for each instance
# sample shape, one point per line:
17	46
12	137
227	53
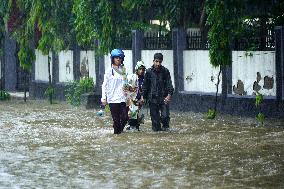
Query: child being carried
135	82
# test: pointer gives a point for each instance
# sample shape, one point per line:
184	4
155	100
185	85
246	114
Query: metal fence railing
196	41
123	41
157	40
256	42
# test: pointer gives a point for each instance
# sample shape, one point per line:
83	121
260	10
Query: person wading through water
157	90
113	91
135	81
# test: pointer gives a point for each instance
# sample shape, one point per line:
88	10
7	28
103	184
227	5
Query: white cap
139	64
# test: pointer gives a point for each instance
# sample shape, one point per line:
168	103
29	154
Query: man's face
141	70
117	61
157	63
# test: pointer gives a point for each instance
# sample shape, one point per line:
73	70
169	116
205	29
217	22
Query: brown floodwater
60	146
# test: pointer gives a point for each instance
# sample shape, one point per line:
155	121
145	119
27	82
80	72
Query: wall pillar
2	45
55	68
10	68
279	61
137	46
76	62
179	45
100	69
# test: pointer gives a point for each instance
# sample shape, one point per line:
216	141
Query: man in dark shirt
157	89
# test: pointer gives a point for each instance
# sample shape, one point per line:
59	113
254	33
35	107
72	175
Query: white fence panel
253	71
199	74
41	66
66	66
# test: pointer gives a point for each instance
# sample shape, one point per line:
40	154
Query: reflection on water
58	146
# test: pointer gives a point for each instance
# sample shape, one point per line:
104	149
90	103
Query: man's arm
169	87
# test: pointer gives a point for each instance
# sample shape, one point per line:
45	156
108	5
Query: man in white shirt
115	80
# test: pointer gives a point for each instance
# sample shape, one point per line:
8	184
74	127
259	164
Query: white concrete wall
41	66
66	66
245	68
127	61
199	74
147	57
87	61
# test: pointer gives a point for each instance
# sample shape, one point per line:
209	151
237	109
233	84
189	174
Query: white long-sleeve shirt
112	87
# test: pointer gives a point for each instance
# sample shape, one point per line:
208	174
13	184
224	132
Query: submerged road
59	146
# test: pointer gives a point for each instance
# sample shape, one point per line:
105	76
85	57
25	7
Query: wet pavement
59	146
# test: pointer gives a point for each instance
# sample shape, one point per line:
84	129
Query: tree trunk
202	19
217	86
202	26
25	86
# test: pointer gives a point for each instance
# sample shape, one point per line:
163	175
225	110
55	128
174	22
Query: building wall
199	74
148	55
254	71
41	66
128	60
66	66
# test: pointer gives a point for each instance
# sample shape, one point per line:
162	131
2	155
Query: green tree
53	18
222	19
3	20
102	20
23	34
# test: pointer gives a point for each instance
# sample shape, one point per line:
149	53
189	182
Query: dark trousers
119	116
160	113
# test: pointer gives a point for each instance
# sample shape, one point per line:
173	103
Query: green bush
260	118
49	91
211	114
86	84
75	89
258	101
4	95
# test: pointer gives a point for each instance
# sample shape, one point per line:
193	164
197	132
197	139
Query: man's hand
167	99
104	102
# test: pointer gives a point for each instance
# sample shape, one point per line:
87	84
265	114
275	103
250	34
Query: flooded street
59	146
